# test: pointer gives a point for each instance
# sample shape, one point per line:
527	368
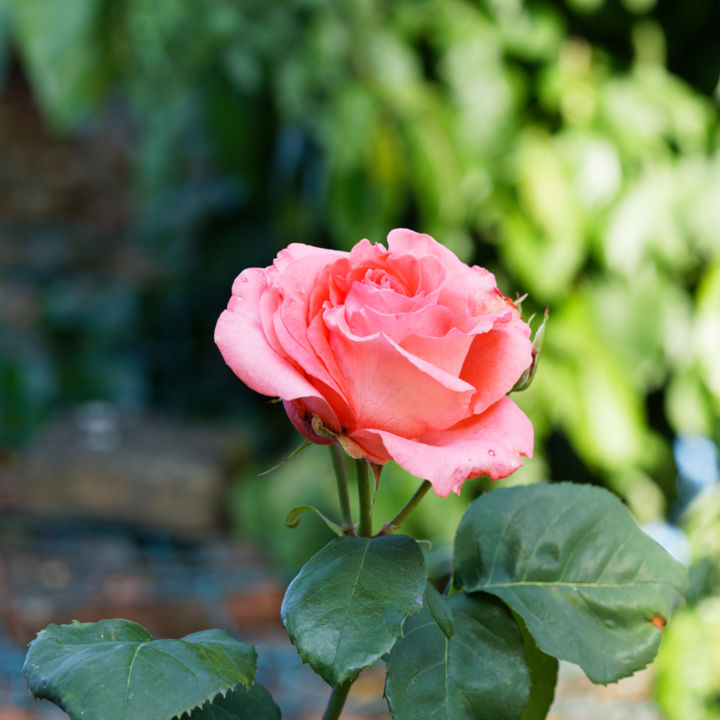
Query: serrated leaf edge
178	714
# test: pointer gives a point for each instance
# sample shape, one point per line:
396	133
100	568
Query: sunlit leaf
571	561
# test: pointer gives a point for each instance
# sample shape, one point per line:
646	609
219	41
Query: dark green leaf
440	610
543	676
346	607
114	670
240	704
571	561
480	673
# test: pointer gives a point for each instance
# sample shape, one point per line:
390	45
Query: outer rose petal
297	251
495	361
239	336
487	444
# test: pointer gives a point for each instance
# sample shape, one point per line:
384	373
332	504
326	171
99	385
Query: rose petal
289	328
242	341
297	251
284	312
467	291
447	352
432	321
381	299
391	389
487	444
495	362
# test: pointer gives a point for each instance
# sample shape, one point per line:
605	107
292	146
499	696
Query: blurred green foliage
688	667
586	179
548	141
572	147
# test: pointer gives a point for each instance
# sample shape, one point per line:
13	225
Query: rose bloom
403	354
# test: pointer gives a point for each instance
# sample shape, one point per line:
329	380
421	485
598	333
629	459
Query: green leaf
240	704
114	670
441	611
292	519
571	561
543	676
66	66
4	42
346	607
480	673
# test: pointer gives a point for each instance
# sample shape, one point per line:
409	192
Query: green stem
337	700
339	467
365	497
340	693
392	525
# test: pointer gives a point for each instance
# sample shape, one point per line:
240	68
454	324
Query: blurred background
152	149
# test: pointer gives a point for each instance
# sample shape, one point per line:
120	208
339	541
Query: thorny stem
339	467
365	498
392	525
337	700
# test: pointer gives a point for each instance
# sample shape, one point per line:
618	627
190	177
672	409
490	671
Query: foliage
114	669
544	572
688	666
479	672
549	137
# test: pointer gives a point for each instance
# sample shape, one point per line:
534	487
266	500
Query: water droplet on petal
491	452
243	279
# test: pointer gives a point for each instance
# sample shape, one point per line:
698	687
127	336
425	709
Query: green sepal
537	344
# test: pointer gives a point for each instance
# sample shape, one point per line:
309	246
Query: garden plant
399	353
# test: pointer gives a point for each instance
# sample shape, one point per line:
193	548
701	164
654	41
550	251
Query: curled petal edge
491	444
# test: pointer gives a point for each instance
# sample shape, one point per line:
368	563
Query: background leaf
480	673
572	562
345	608
240	704
113	670
66	65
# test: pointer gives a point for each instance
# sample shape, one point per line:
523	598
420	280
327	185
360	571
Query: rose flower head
402	353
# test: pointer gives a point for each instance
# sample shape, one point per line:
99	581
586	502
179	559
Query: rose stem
363	478
339	693
397	521
337	700
339	467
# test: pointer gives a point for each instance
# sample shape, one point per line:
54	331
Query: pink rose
404	354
